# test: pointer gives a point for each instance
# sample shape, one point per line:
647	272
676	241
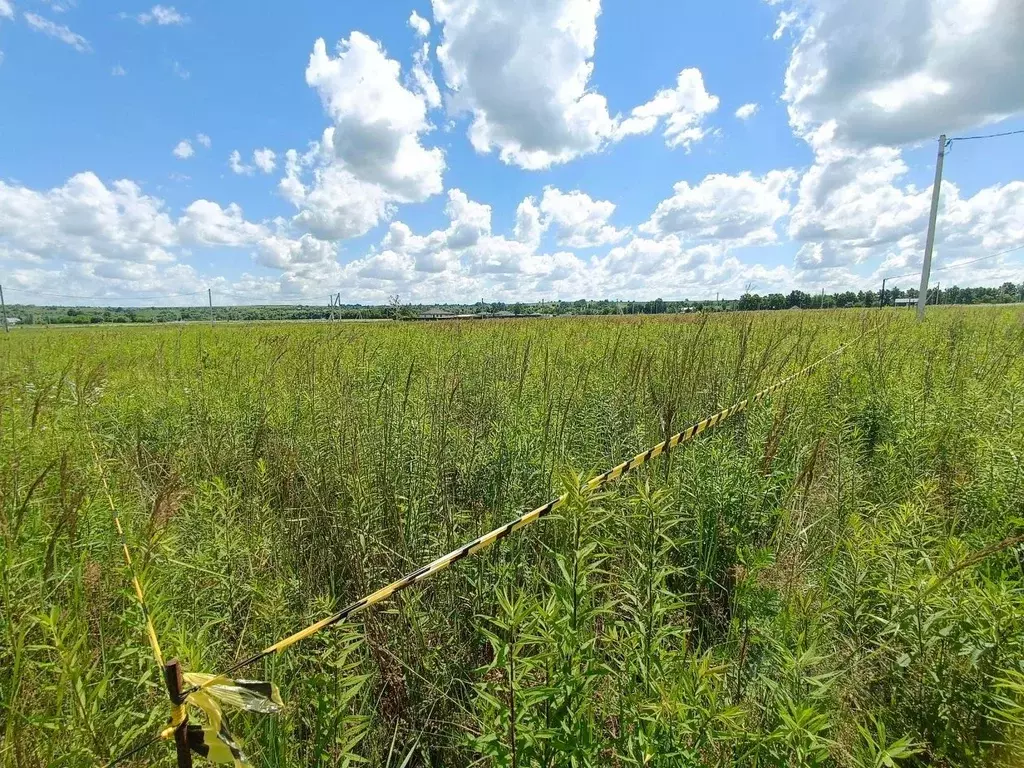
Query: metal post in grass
3	310
175	685
922	294
881	296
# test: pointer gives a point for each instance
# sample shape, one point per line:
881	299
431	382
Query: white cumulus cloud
468	259
863	80
265	159
747	111
423	78
522	71
372	156
378	123
237	166
419	25
338	205
183	150
582	221
113	239
528	227
890	72
853	207
205	222
683	109
163	15
84	220
785	21
742	208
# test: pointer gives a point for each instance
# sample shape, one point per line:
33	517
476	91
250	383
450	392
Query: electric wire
958	264
33	292
984	136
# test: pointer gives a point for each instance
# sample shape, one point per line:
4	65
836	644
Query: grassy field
835	577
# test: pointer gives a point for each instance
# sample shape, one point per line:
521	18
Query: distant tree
846	299
749	301
798	299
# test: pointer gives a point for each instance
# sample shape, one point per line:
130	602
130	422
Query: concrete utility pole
922	294
881	296
3	310
209	296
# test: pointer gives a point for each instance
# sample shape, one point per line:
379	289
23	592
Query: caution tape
216	740
211	694
497	534
139	594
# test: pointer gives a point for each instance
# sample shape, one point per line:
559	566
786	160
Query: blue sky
552	149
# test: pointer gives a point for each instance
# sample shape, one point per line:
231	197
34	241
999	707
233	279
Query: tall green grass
832	578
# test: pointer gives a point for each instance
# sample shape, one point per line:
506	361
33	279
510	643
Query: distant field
834	577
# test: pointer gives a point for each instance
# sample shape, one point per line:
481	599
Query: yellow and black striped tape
497	534
139	594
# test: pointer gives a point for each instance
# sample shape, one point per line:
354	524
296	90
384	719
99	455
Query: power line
222	292
32	292
900	276
959	264
982	258
238	295
985	136
275	297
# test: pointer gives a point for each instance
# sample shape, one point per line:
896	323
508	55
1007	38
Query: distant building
905	302
13	320
436	313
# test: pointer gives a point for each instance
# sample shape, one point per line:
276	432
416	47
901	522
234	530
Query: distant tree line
1006	293
57	315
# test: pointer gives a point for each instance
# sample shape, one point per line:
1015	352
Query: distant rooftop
436	312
